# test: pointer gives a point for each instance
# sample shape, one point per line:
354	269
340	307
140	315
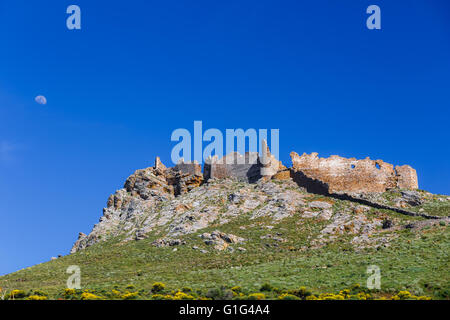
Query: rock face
337	174
143	191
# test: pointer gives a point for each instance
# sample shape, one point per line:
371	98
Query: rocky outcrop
176	201
143	191
220	240
349	175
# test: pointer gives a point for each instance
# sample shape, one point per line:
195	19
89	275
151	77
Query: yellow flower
236	289
129	296
89	296
287	296
34	297
17	294
257	296
182	296
69	292
158	286
404	295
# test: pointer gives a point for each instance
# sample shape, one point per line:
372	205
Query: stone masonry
349	175
249	167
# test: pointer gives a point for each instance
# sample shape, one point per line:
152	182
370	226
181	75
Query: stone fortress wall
323	175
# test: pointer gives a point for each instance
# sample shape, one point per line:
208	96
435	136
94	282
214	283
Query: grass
417	262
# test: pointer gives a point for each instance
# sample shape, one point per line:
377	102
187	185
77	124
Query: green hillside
277	256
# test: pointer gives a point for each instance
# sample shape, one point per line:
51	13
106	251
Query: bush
287	296
37	297
266	287
236	289
158	287
303	292
89	296
182	296
219	294
39	293
69	292
256	296
17	294
129	296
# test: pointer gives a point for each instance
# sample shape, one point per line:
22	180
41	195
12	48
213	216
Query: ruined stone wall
354	176
407	177
249	167
234	165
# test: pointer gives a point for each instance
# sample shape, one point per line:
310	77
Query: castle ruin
322	175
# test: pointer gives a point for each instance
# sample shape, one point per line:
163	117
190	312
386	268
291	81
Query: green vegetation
415	265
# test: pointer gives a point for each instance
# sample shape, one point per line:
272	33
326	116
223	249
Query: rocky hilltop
172	202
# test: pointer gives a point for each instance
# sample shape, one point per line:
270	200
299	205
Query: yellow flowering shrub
287	296
158	286
17	294
36	297
162	297
89	296
257	296
236	289
182	296
69	292
129	296
404	295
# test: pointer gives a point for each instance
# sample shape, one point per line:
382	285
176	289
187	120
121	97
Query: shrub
17	294
345	293
355	288
404	295
266	287
287	296
129	296
330	296
162	297
69	292
182	296
39	293
256	296
303	292
236	289
158	287
37	297
89	296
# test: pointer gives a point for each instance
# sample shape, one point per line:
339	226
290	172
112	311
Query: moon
41	100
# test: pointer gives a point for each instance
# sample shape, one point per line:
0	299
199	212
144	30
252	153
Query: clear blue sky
140	69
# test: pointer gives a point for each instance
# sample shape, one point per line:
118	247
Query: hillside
174	228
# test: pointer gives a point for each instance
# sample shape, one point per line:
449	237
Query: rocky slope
169	203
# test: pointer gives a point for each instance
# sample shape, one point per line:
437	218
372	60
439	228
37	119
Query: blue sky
140	69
